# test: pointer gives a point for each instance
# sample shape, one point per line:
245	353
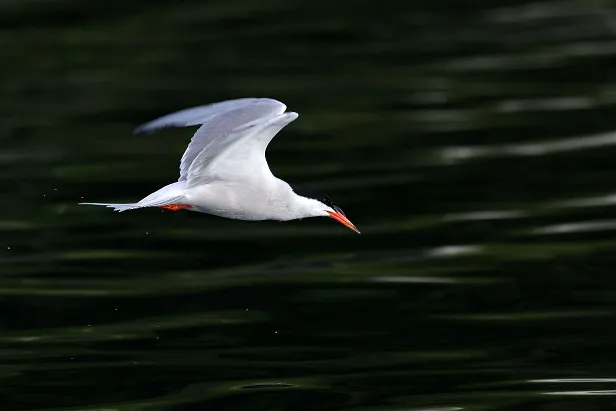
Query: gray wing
218	122
240	154
197	115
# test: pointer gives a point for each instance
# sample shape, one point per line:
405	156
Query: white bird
224	171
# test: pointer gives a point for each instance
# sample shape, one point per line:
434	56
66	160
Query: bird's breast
239	202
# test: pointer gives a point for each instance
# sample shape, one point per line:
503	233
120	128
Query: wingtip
143	129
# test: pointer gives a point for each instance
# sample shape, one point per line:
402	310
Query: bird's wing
221	123
240	154
199	115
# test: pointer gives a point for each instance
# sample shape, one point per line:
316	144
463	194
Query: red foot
175	207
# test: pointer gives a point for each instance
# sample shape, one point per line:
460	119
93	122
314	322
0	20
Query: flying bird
224	171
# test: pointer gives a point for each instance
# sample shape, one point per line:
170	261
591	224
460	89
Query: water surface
472	146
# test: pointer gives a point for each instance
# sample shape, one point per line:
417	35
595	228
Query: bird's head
317	204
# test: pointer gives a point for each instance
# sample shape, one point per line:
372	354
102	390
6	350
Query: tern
224	172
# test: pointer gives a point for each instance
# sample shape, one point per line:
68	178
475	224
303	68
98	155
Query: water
472	146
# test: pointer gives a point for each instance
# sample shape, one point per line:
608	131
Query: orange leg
175	207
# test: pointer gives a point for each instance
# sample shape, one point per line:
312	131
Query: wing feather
200	115
240	155
218	121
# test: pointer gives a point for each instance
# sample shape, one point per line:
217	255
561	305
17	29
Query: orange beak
341	218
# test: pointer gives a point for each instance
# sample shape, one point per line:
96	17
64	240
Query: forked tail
167	196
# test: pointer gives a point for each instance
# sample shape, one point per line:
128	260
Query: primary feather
220	123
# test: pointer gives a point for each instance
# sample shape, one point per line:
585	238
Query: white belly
238	202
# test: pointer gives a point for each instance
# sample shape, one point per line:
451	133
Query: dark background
473	145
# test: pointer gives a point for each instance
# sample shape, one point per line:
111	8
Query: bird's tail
168	195
117	207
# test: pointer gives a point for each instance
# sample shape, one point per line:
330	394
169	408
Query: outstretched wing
240	154
218	124
200	115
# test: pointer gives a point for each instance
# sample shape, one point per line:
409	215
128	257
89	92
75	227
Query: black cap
309	192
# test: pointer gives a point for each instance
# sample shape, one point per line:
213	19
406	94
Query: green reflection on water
473	146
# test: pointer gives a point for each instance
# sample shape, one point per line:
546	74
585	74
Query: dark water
473	146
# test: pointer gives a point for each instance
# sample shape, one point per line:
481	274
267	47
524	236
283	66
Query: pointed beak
339	216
